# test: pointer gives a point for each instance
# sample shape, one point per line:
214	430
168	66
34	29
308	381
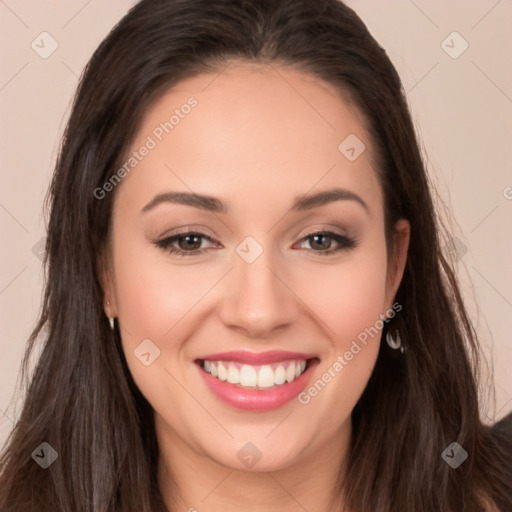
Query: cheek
349	301
153	292
348	297
157	301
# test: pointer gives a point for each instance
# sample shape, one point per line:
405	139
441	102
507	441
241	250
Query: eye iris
193	245
319	245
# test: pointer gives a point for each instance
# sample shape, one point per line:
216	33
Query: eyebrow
212	204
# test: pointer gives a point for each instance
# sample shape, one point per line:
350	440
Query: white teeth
248	376
290	372
233	374
264	376
280	374
222	373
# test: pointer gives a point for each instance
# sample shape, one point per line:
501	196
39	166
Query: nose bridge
257	300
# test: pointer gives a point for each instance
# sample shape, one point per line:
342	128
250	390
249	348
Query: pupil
315	237
196	243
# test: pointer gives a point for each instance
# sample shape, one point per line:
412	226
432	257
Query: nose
257	299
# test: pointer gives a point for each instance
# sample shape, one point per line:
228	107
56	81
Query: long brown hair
81	398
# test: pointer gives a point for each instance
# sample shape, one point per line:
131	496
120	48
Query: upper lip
242	356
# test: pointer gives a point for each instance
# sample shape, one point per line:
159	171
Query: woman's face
254	279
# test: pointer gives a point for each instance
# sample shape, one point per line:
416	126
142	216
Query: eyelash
346	243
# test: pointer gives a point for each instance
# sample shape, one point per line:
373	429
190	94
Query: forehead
251	131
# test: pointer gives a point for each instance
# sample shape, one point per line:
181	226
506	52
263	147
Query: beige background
462	108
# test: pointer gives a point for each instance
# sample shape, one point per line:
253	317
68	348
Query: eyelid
192	229
326	228
166	242
344	241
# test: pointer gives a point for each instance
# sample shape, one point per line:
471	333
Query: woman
200	354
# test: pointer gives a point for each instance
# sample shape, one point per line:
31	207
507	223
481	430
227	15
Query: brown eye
184	244
321	242
189	242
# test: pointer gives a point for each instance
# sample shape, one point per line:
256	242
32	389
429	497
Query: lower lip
258	399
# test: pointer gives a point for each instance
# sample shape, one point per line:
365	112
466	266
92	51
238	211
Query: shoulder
504	426
499	449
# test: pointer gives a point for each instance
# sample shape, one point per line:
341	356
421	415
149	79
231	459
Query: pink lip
255	358
258	399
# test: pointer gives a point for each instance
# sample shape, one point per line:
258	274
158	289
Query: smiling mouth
248	376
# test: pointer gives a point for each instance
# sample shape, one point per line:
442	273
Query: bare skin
258	137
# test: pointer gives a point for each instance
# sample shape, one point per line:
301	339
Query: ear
106	276
398	258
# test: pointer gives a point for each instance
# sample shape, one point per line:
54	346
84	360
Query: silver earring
395	344
110	318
